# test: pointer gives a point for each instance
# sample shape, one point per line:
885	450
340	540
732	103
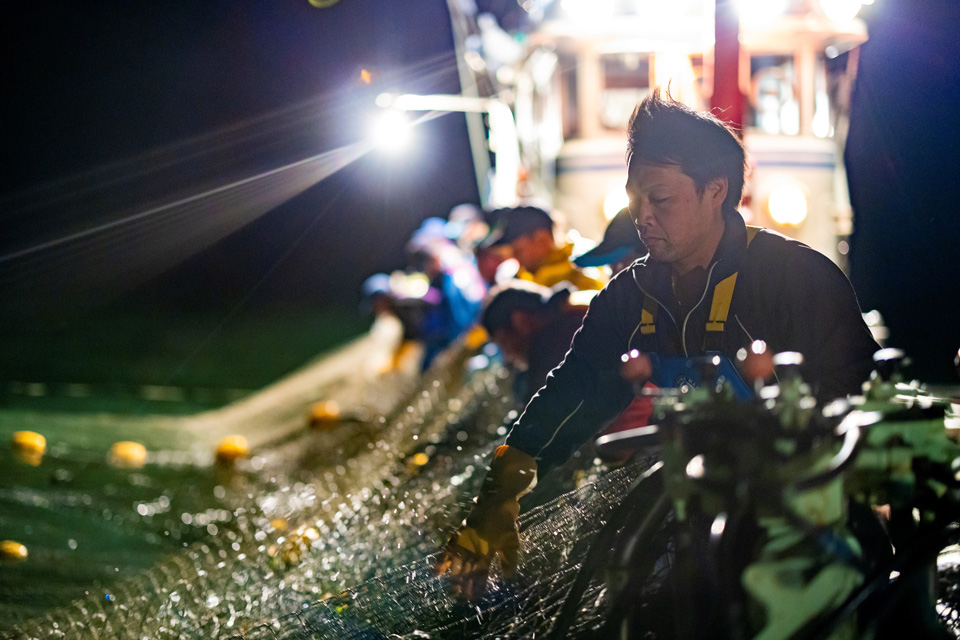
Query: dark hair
519	295
663	131
517	222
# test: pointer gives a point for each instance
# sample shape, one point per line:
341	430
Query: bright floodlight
589	10
840	10
788	204
615	200
391	131
757	12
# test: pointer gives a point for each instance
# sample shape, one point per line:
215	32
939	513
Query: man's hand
491	528
636	368
468	555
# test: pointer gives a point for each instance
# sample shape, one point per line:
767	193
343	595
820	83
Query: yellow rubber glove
491	528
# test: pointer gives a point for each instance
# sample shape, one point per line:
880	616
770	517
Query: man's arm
822	320
580	396
584	392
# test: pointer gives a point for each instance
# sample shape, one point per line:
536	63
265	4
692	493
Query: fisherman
708	285
529	232
533	326
453	275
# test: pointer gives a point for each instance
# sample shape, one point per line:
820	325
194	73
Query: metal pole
727	101
468	87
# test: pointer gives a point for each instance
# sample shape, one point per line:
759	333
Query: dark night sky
128	103
211	92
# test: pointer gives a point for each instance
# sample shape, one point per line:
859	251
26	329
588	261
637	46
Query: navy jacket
787	294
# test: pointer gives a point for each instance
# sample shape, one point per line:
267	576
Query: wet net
344	547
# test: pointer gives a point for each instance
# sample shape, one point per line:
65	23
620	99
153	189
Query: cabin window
774	103
568	87
626	81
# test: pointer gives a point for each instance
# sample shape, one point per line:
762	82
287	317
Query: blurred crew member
529	232
532	326
620	247
453	274
708	285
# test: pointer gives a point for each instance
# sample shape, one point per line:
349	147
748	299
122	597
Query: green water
130	376
147	361
86	524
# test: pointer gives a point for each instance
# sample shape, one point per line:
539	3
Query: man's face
489	259
531	250
675	223
513	346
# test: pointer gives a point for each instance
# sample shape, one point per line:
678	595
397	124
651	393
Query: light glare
840	10
391	132
615	200
760	11
591	10
788	205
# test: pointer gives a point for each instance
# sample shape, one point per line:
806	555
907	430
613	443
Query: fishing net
344	547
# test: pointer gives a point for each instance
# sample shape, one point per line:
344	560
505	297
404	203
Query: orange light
365	76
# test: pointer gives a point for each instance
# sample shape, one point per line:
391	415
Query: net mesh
345	547
328	547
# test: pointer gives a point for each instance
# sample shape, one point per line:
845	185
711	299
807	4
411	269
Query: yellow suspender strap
723	293
648	316
719	309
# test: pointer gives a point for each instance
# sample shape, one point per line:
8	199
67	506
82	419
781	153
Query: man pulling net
709	286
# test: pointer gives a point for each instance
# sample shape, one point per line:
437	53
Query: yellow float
231	449
127	455
11	551
324	414
28	446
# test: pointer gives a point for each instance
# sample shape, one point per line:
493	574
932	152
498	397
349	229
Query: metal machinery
760	521
585	65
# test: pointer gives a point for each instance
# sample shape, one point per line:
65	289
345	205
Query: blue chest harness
680	372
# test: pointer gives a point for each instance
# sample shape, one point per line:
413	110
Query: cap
377	284
429	231
519	295
516	222
619	240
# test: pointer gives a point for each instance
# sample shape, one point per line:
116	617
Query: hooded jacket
786	294
557	268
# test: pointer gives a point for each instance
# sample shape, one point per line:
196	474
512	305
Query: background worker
529	232
533	327
620	247
707	285
454	286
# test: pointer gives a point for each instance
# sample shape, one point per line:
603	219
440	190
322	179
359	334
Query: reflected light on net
695	467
